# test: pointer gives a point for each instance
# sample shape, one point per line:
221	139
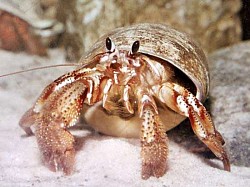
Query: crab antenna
38	68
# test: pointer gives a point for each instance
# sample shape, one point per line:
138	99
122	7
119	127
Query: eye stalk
110	45
135	47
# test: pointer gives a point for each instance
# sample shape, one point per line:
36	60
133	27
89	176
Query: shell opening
179	76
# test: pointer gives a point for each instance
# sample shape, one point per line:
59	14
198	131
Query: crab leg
27	121
106	90
55	110
153	139
185	103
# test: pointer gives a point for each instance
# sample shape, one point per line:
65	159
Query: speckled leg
56	145
182	101
27	121
59	112
57	109
53	113
153	140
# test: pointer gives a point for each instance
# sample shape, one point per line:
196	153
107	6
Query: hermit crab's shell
165	43
159	41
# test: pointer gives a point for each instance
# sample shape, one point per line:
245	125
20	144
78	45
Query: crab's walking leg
184	102
27	121
153	139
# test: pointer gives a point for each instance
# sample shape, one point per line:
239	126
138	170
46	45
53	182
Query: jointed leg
56	109
56	145
153	139
27	121
182	101
60	110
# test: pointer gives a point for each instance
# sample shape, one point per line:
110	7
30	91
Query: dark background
245	17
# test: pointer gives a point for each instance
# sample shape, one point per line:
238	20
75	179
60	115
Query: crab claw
54	111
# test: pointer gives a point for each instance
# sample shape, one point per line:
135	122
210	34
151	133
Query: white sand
102	160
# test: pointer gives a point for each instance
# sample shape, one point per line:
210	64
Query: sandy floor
101	160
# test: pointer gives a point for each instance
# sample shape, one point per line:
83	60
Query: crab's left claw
57	112
185	103
57	109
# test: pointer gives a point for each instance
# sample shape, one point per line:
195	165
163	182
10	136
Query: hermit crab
136	81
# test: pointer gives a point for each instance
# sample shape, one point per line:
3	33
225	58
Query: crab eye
135	47
110	45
